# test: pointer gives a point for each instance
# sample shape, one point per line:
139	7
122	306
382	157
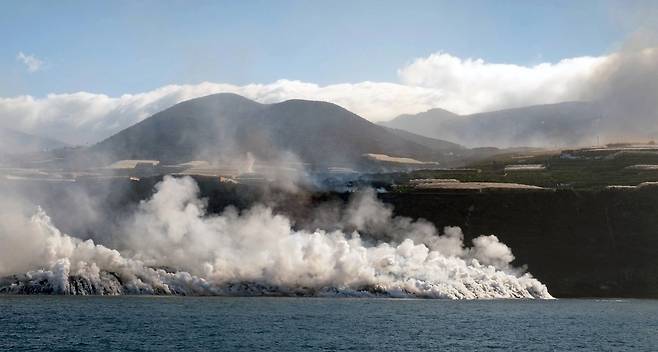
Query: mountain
423	122
16	142
563	124
225	126
432	143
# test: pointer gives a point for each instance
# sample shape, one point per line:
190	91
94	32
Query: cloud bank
440	80
473	85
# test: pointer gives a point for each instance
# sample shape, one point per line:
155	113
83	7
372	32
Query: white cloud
473	85
31	62
440	80
82	117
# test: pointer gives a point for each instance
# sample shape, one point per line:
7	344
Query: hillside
563	124
16	142
227	126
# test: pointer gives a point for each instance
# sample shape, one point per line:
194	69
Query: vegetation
590	171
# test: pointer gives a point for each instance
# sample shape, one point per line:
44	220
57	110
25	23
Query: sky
107	64
117	47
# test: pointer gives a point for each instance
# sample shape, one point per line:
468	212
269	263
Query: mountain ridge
546	125
224	126
17	142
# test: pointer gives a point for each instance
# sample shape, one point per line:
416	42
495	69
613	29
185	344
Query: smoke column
172	246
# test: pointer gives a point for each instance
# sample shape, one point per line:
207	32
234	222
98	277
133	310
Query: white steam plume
173	246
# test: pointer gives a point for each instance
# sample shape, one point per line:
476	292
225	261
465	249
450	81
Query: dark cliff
580	244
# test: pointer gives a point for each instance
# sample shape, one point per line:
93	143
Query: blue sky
118	47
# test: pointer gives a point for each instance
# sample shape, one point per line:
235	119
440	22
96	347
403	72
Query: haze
80	82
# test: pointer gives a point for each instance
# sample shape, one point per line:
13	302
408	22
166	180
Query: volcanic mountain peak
223	126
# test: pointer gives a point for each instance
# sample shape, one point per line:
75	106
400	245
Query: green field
588	171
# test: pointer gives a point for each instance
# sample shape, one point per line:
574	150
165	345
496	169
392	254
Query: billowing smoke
626	87
171	245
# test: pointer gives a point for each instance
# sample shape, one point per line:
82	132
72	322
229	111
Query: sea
155	323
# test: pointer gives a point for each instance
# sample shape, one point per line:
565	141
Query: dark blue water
31	323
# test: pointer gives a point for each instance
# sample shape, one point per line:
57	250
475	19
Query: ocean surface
68	323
